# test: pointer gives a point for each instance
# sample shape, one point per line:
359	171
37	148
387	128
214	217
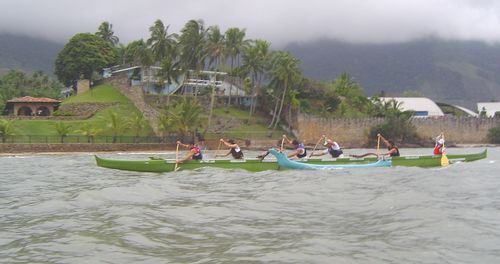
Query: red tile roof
29	99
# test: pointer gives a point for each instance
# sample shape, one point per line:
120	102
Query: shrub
494	135
397	129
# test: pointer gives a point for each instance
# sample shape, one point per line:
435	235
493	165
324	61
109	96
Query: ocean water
65	209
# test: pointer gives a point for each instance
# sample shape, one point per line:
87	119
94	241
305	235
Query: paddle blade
444	160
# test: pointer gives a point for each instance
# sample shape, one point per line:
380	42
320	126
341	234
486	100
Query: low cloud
278	21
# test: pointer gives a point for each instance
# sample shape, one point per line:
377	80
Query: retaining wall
354	132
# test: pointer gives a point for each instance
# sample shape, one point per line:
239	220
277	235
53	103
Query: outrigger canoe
168	165
284	162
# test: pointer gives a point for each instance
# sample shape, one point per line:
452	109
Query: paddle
176	157
218	148
378	145
317	143
282	142
444	159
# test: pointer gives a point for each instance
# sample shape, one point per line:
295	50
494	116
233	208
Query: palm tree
6	129
137	125
255	60
186	116
215	51
138	53
192	45
62	130
235	43
89	131
215	46
285	70
105	32
165	124
170	72
116	125
161	42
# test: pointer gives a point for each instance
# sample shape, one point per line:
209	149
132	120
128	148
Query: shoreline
158	149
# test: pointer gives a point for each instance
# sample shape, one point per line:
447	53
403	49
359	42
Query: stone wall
84	110
136	95
7	148
83	147
354	132
82	86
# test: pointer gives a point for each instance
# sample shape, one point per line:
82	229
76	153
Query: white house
490	108
422	106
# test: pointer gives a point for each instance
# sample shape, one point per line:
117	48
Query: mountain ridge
19	52
454	72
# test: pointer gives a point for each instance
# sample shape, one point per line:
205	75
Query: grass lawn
254	127
101	93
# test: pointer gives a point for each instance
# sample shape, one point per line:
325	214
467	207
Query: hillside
447	71
27	54
453	72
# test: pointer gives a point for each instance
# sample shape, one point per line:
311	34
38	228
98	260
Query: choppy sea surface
65	209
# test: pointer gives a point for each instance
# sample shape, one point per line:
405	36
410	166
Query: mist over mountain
455	72
27	54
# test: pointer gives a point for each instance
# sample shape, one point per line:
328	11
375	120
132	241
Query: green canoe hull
410	161
254	165
163	165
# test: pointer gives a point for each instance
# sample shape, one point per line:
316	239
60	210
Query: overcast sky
278	21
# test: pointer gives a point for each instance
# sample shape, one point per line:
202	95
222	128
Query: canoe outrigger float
255	165
284	162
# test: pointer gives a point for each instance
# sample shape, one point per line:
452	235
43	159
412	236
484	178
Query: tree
169	73
89	131
62	130
116	125
105	32
255	59
161	42
186	116
215	52
137	125
192	45
138	53
284	70
235	43
165	124
17	84
81	56
6	129
214	46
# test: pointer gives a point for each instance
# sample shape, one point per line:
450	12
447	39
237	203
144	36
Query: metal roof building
422	106
490	108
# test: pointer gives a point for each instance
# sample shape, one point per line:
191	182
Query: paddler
234	149
299	150
194	151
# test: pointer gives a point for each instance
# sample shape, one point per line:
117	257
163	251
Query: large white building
490	108
422	106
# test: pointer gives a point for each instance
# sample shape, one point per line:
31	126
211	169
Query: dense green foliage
17	84
6	130
185	117
106	33
494	135
83	55
397	126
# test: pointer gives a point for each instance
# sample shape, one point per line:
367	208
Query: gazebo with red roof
32	106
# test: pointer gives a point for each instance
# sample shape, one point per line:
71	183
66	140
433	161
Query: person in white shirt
333	149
